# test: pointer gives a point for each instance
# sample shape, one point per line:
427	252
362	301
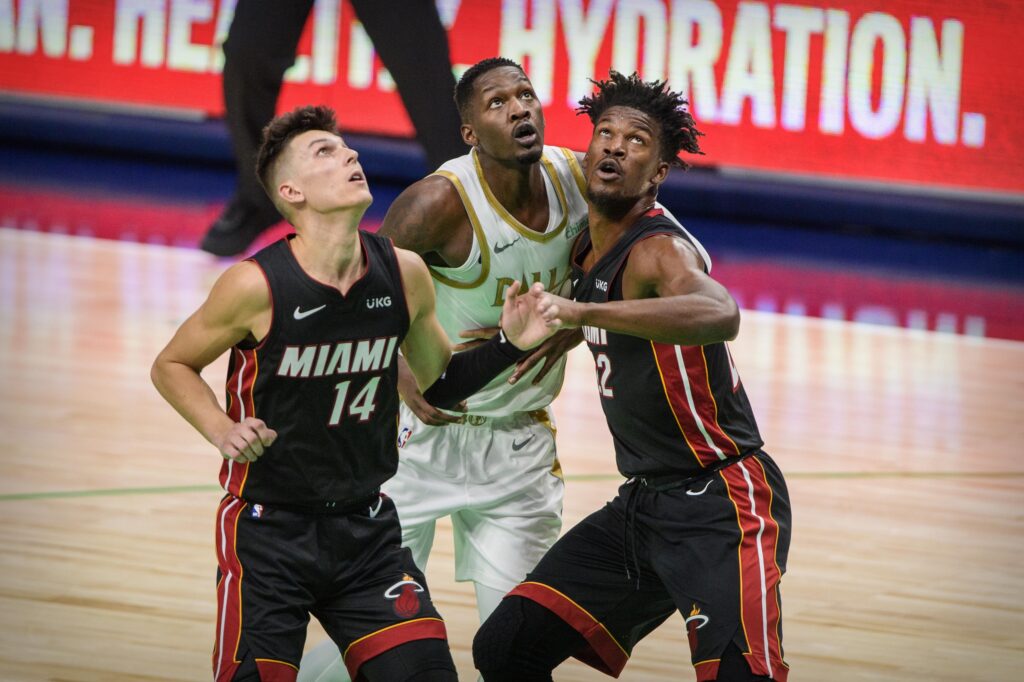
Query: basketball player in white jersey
508	210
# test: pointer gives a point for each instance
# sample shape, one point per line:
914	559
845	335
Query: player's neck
608	227
519	189
328	248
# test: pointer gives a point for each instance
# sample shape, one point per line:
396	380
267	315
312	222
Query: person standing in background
260	47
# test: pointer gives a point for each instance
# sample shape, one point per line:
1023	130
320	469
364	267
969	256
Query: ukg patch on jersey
406	595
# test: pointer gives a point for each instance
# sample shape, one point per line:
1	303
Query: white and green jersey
470	295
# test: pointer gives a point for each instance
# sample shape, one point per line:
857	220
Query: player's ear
661	174
290	193
468	136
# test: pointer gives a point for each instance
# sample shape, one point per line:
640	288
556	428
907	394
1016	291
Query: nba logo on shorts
403	436
257	511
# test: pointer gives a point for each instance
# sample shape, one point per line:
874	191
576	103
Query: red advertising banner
914	92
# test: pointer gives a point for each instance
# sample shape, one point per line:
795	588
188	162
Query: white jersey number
362	405
604	371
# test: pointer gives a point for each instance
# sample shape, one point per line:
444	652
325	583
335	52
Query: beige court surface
902	450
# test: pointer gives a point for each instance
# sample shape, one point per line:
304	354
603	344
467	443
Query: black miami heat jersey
670	408
325	378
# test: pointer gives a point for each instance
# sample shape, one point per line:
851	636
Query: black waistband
662	482
327	507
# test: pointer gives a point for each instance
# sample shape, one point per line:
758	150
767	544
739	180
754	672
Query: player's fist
246	440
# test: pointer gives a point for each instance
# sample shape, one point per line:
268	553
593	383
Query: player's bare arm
428	218
237	308
426	349
667	298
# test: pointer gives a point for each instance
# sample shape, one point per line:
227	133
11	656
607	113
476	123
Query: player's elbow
731	321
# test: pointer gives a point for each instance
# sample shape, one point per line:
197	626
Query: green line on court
849	474
109	492
578	478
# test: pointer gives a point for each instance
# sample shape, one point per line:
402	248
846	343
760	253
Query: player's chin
528	157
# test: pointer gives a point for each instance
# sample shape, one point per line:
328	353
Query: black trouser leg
260	47
413	45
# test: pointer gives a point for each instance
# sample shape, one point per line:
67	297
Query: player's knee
422	660
493	644
505	648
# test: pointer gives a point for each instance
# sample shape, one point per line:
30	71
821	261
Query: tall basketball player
508	210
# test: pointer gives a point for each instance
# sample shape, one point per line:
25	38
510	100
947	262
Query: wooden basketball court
902	451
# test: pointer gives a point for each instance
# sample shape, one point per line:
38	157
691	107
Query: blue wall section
701	193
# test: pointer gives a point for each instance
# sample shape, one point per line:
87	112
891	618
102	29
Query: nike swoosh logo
499	249
301	314
376	510
702	491
517	446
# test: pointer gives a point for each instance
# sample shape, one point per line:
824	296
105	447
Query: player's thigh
380	600
589	579
264	589
430	482
424	660
498	545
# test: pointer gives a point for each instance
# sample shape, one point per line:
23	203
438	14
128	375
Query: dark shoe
237	228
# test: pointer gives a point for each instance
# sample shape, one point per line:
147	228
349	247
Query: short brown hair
279	132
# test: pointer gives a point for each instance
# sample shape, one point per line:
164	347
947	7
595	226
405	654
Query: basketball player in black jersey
314	324
701	526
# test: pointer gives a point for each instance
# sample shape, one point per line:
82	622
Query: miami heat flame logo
405	593
694	622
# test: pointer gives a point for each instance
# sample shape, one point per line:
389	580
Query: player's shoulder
413	268
662	245
425	215
241	289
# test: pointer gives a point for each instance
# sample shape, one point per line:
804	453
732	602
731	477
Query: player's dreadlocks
667	108
464	88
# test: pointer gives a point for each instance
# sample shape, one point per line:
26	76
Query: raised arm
237	308
668	298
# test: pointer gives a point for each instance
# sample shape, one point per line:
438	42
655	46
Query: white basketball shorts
498	478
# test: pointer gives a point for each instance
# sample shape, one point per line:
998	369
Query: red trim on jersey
604	652
675	394
376	643
760	615
270	295
654	213
241	404
229	590
700	384
276	671
707	670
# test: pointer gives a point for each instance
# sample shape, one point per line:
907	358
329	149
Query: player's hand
477	336
520	319
409	392
557	312
549	352
246	440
